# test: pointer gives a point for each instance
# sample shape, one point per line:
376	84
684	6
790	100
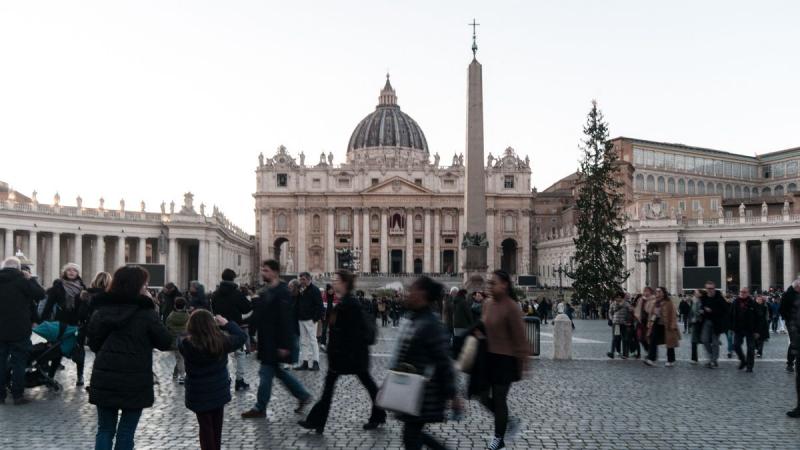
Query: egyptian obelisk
474	240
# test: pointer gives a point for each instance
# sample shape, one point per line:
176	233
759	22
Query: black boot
795	413
310	426
241	386
303	366
315	367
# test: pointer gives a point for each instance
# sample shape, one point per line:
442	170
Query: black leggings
496	400
415	437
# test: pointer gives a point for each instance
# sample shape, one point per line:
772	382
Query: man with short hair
713	315
309	311
743	324
229	302
790	311
274	321
18	294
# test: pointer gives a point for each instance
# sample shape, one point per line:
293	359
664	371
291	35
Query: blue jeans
269	371
107	428
14	355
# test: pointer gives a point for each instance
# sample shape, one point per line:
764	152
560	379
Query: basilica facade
391	207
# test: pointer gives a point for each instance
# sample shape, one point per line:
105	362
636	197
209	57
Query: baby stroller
46	356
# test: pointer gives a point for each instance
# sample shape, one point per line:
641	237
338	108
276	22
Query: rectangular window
718	168
777	170
682	205
791	168
680	162
343	240
659	160
737	170
648	158
709	169
283	180
714	204
418	181
449	183
374	181
418	241
669	161
448	241
316	183
344	182
695	205
508	182
728	169
376	241
638	157
690	164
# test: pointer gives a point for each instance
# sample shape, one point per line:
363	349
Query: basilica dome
387	126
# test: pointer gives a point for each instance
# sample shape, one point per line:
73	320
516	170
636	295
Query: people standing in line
208	385
64	305
176	324
166	299
696	323
348	354
662	328
507	354
229	302
762	324
19	292
275	325
309	311
685	310
197	296
743	318
714	320
123	331
618	316
790	311
423	346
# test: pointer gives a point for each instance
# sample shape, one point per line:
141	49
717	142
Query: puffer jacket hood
10	274
114	311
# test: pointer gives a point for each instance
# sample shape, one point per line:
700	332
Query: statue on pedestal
764	209
742	210
261	159
172	207
202	209
436	159
79	202
330	158
33	197
122	204
786	207
102	203
302	159
163	207
489	160
56	199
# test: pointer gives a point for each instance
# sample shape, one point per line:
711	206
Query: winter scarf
72	289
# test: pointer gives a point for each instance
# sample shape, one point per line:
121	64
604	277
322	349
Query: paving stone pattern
587	403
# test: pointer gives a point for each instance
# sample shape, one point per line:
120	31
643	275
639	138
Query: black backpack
370	329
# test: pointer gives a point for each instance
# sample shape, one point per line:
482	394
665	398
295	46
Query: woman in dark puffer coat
123	331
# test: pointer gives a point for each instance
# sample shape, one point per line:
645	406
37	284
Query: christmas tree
599	253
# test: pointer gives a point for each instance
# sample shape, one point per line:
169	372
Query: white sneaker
649	363
669	364
181	380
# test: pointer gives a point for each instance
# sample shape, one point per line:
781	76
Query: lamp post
562	269
646	256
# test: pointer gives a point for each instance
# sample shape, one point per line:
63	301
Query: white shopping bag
402	393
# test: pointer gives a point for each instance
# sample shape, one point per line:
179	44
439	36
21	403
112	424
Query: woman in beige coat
662	327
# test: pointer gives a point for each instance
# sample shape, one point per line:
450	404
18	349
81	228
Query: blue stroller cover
50	331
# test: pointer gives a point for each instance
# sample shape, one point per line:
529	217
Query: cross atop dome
387	97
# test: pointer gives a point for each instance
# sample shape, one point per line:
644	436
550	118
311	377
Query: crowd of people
288	325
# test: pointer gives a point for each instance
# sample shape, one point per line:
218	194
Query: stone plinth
562	337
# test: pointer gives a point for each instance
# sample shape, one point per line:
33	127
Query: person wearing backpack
350	336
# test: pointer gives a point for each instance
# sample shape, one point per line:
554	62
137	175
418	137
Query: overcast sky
150	99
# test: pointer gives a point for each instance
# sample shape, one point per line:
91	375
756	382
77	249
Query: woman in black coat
65	305
122	332
348	354
208	383
422	346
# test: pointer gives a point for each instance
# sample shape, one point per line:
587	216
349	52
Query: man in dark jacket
166	299
684	309
18	294
743	323
273	319
309	311
714	314
229	302
790	311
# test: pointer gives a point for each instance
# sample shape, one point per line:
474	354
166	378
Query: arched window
281	223
778	191
720	189
791	187
375	223
746	192
671	186
728	191
508	222
315	223
701	188
737	191
710	189
681	186
640	182
651	183
396	221
418	223
767	192
690	187
755	192
661	184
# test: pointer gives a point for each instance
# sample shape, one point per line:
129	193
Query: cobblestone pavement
590	402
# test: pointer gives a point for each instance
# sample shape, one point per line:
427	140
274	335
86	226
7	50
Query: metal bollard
532	327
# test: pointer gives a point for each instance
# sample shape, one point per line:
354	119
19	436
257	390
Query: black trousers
738	340
415	437
318	416
210	423
619	342
496	400
656	337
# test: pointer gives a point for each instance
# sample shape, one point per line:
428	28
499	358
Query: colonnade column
141	251
172	261
330	264
462	228
492	250
744	279
100	254
266	233
302	251
673	267
33	250
722	262
77	250
9	243
526	243
120	256
701	254
766	266
356	243
409	241
202	262
366	260
384	242
55	257
426	243
788	260
437	241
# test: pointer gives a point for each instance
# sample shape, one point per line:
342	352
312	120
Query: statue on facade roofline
490	160
261	159
302	159
79	202
172	207
163	207
322	161
330	158
33	197
436	159
102	203
202	209
122	204
142	206
56	199
455	159
527	162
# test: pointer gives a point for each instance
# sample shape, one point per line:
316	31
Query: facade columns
77	249
526	243
33	251
788	260
266	233
409	241
330	253
302	251
744	279
366	258
55	256
462	228
100	254
492	250
356	242
701	254
9	243
384	241
723	266
426	243
766	266
172	261
673	267
141	251
120	256
202	262
437	241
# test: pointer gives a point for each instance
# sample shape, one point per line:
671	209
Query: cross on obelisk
474	26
